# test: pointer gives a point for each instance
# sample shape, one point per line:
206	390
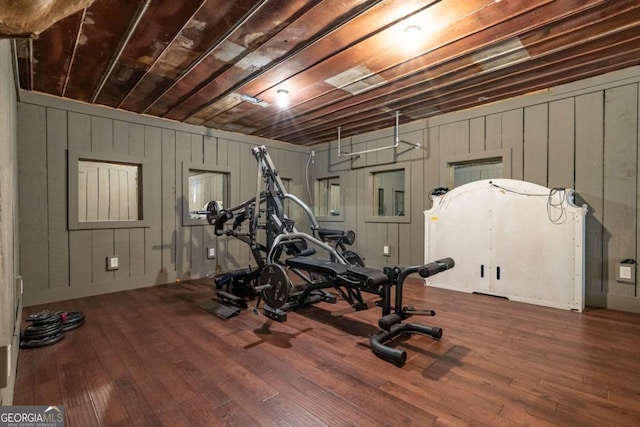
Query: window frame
186	168
316	198
73	223
370	199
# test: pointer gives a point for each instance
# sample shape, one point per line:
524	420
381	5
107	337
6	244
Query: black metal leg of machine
391	324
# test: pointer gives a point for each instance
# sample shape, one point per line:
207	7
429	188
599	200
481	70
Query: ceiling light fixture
412	37
282	98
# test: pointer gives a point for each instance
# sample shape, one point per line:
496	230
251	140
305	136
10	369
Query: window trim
186	167
73	157
316	198
406	218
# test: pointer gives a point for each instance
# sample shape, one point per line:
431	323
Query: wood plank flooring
153	357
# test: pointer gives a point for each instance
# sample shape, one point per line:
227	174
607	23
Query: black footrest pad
274	314
228	298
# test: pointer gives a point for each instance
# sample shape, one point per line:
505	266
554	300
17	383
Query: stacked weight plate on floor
48	327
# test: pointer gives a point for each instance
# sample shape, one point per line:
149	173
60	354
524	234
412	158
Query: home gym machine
281	252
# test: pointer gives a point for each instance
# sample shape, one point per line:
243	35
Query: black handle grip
347	236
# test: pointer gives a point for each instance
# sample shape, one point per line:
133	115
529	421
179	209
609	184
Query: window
105	191
328	198
464	168
202	184
389	197
205	186
465	172
108	191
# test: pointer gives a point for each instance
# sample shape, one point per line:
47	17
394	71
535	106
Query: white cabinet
509	238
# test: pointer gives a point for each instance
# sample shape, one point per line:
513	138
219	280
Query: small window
108	191
202	184
389	188
205	186
461	173
328	198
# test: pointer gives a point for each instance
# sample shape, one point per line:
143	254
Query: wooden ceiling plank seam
444	59
494	83
296	52
285	58
297	123
206	53
142	8
155	61
486	25
230	71
481	83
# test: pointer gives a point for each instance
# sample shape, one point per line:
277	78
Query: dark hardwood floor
153	357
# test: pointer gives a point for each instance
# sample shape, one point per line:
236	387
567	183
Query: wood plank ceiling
347	63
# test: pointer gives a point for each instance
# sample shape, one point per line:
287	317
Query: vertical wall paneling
561	143
432	162
447	149
102	246
153	182
57	198
121	239
620	180
512	136
197	249
536	143
589	181
170	204
136	140
210	148
101	135
236	194
461	137
222	249
32	174
493	132
476	135
120	136
80	260
183	235
79	126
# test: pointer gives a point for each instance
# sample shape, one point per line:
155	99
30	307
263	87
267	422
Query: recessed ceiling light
412	37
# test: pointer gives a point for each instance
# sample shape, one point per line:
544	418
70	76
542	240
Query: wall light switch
211	253
112	263
386	251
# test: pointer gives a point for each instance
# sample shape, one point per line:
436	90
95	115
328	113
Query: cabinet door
458	227
532	258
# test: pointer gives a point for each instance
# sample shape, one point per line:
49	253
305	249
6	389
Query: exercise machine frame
271	235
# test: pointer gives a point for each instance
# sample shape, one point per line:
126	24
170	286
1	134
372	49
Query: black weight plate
353	258
35	343
74	319
41	332
45	316
277	294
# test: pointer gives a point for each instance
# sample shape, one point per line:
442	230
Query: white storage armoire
509	238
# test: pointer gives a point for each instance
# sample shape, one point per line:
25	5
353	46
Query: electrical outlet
386	251
211	253
112	263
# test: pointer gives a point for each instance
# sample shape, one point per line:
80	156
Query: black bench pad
317	266
370	276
